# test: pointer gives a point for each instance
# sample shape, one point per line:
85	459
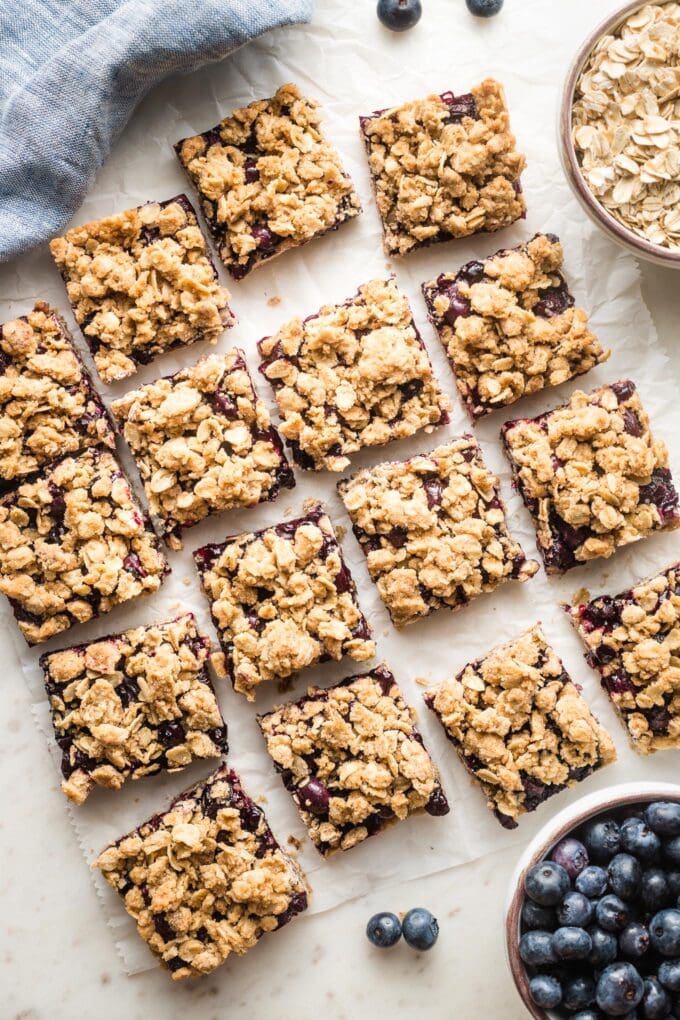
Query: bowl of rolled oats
620	129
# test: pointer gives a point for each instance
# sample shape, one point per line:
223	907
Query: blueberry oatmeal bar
632	640
141	283
74	543
131	704
282	599
48	405
353	759
433	530
206	878
592	475
268	180
444	167
509	325
520	726
203	442
356	374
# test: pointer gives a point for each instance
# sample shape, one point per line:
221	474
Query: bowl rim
623	235
609	799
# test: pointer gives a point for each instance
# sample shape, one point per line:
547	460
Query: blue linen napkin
72	72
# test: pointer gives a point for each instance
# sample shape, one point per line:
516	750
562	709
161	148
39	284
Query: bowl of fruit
593	917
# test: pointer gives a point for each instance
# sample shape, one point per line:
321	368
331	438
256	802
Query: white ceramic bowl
598	214
612	798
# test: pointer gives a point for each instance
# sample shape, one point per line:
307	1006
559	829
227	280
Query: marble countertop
58	957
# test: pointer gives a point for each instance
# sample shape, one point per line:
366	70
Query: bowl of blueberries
593	919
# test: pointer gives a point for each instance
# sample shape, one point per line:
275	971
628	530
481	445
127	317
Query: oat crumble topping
203	442
633	641
74	544
444	167
509	327
206	878
282	599
520	726
268	179
433	530
353	759
356	374
141	283
592	475
131	704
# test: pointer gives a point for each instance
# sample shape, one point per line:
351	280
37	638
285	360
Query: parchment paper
352	66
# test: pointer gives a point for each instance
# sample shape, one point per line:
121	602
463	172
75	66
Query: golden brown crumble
204	443
509	327
633	640
433	530
443	167
141	283
131	704
74	544
48	405
592	475
268	179
353	759
520	725
206	878
282	599
355	374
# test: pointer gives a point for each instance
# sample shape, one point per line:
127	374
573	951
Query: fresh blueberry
656	1002
546	991
546	883
571	855
578	992
612	913
314	796
535	917
536	948
420	929
592	881
637	838
664	932
399	15
619	989
384	930
663	817
571	943
669	975
605	947
602	839
653	891
671	850
575	910
587	1014
634	940
673	882
625	874
484	8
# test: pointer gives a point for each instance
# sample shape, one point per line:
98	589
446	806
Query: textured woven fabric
72	72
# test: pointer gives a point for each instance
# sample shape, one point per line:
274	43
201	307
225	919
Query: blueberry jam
553	301
251	172
661	493
460	106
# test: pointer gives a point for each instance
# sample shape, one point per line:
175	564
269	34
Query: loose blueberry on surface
484	8
399	15
671	850
571	855
653	891
546	883
669	975
571	943
605	946
664	932
384	930
314	796
602	839
575	910
625	875
663	817
546	991
634	940
656	1002
420	929
535	917
536	948
592	881
619	989
637	838
612	913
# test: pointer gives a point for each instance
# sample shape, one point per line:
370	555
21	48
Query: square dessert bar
353	759
129	705
633	641
520	726
74	543
206	878
433	530
282	599
356	374
203	442
509	326
141	283
48	405
592	475
268	180
443	167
